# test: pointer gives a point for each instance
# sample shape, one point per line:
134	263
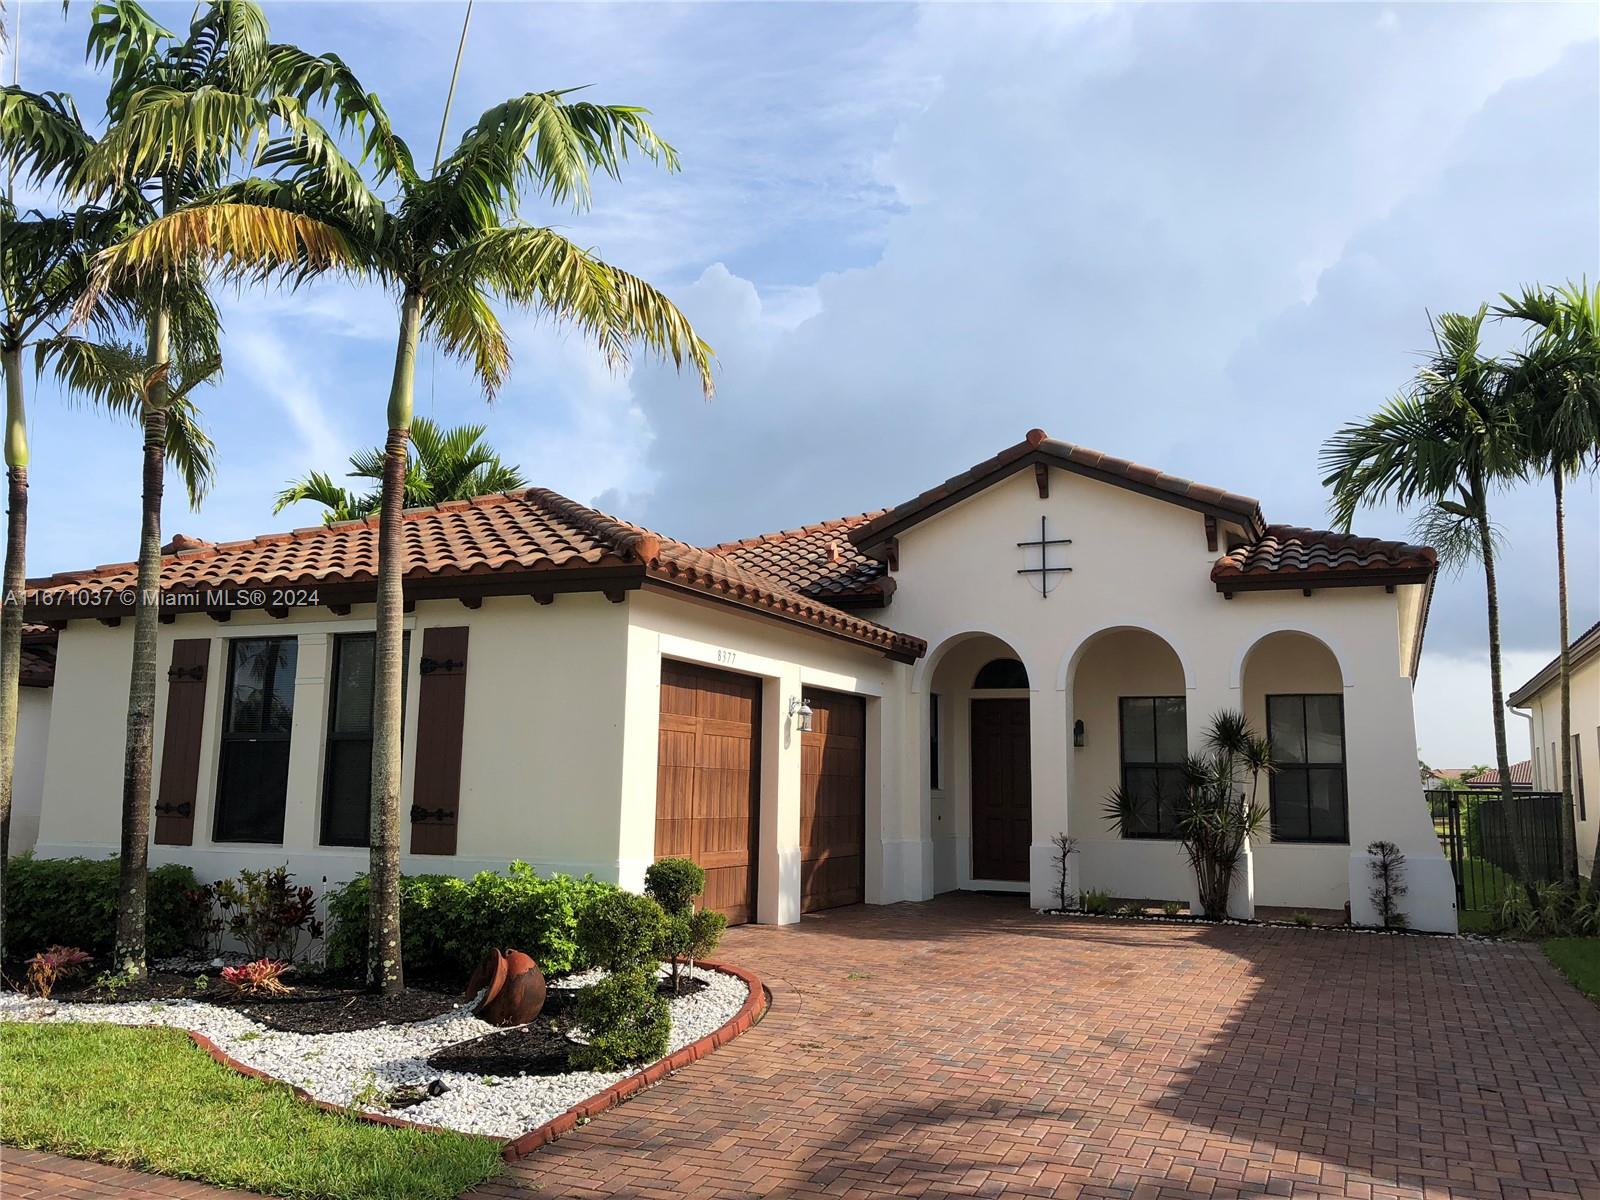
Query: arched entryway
980	772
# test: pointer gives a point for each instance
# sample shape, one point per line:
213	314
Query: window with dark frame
347	766
933	741
1577	777
1154	740
253	775
1309	801
1001	673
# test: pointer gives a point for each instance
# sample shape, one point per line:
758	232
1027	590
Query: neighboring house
1446	776
1488	779
883	707
37	676
1541	697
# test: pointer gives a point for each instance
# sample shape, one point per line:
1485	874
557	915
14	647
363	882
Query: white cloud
1455	723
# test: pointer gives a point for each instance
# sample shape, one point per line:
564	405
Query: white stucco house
1540	698
978	667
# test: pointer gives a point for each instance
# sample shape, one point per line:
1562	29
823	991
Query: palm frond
190	450
342	505
458	317
109	375
41	134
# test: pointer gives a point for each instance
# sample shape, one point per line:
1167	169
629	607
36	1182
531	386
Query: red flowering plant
49	967
266	912
263	977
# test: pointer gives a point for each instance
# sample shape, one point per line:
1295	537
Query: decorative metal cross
1044	570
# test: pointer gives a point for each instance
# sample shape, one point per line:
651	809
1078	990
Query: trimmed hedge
625	1019
448	924
73	902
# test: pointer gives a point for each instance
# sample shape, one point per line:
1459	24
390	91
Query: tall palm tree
1442	445
1558	376
181	115
444	464
449	248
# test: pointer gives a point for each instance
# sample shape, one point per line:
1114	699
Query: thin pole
444	123
16	81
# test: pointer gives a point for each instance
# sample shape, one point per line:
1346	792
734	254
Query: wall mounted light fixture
800	709
1077	733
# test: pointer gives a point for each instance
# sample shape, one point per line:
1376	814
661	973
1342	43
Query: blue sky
1196	236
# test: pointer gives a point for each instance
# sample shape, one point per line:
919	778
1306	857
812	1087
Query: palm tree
447	464
1442	444
1558	377
180	116
449	248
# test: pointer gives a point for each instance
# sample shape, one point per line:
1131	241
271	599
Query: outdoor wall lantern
800	709
1077	734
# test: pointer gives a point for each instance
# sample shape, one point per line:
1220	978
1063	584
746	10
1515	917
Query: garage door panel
833	803
707	788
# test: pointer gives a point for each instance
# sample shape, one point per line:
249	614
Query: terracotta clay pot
512	985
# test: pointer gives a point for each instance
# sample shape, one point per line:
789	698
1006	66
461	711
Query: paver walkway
967	1047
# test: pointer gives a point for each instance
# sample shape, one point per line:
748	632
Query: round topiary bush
625	1020
673	883
619	931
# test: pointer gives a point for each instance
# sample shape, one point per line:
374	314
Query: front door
1002	795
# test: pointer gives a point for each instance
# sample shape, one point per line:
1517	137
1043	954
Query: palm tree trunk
1480	511
15	586
385	968
1569	828
133	877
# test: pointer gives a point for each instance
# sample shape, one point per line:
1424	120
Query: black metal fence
1492	847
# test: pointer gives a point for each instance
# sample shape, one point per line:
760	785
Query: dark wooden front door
833	802
708	781
1002	795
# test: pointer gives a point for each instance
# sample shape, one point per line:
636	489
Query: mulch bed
540	1047
313	1006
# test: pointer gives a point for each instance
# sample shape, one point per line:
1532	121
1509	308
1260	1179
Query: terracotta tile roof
817	560
1582	648
529	541
1039	448
1288	556
1521	776
38	667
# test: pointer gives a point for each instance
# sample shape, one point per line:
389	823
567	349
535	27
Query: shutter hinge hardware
430	665
196	673
175	810
442	816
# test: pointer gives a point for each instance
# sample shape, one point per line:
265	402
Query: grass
151	1099
1579	960
1485	885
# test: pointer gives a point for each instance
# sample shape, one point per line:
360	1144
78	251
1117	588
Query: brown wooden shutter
441	715
180	745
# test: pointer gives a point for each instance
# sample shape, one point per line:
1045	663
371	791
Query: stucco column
778	880
1050	767
301	804
1208	693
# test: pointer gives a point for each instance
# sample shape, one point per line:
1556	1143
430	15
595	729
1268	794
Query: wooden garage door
833	802
708	781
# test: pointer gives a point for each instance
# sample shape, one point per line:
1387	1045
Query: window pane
1138	730
1002	673
1325	802
348	796
262	678
1171	782
1141	786
352	702
1172	734
251	786
1289	820
1324	730
1286	728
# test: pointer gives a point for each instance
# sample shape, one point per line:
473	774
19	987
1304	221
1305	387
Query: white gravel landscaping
355	1068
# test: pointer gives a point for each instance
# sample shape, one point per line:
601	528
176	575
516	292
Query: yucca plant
449	248
1557	380
1217	811
443	464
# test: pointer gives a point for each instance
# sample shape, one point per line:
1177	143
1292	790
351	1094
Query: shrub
1303	919
685	937
49	967
264	977
448	924
619	931
625	1020
1173	908
266	912
73	902
1388	865
673	883
1063	846
1097	902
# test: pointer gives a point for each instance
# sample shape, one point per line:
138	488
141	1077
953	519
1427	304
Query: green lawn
1579	960
149	1098
1485	885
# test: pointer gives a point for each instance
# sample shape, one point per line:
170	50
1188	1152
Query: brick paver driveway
966	1047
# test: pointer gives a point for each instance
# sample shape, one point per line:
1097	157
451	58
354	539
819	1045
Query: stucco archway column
1050	770
1209	693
